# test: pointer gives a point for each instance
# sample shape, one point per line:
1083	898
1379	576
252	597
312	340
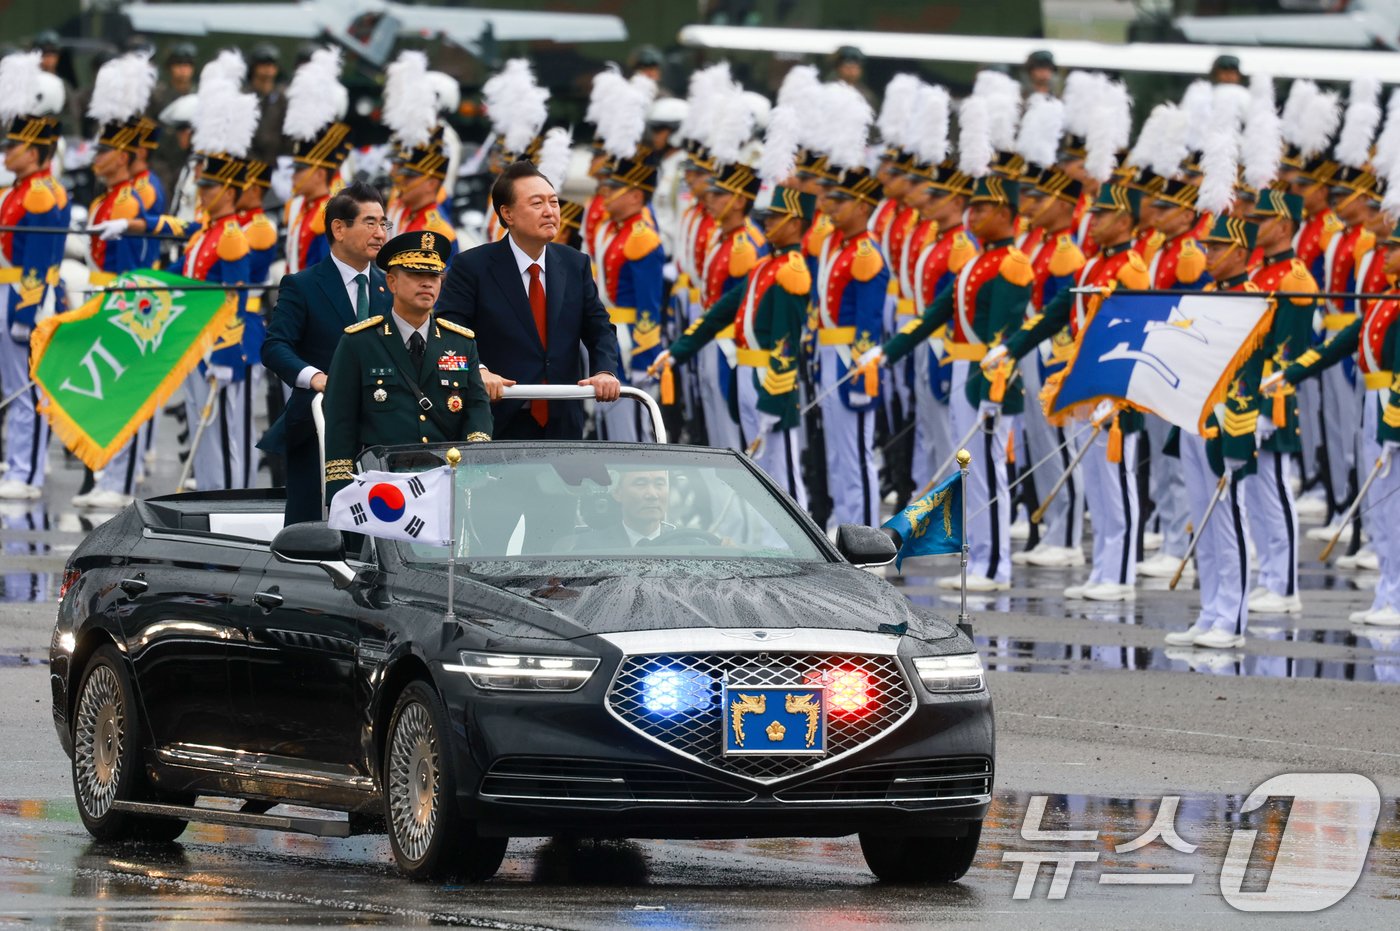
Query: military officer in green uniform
408	377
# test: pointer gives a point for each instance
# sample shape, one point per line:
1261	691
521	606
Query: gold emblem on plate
775	731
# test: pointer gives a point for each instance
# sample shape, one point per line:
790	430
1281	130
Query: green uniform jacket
1312	362
370	399
778	322
1000	311
1389	427
1288	341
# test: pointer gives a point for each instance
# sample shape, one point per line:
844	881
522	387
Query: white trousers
26	432
1310	425
1341	399
988	528
711	368
1167	487
1273	522
851	469
224	457
1111	489
1222	559
778	454
1381	509
1064	518
933	435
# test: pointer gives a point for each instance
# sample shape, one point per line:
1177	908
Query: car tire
430	838
108	735
920	860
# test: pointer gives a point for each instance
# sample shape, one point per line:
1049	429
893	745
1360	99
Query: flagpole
964	457
454	456
1301	295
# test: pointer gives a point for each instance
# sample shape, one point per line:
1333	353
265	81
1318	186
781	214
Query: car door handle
267	600
133	587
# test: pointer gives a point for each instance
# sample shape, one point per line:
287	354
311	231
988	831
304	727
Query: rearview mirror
865	546
314	544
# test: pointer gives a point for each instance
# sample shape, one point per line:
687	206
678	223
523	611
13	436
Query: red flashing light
848	691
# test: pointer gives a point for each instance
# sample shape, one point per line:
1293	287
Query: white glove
1102	411
768	423
669	271
859	399
993	357
989	411
223	374
19	332
109	230
1272	383
1264	428
871	357
1234	465
1391	448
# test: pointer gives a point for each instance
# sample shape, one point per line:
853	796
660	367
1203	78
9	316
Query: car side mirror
865	546
314	544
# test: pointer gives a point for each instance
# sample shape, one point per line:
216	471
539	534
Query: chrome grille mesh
698	733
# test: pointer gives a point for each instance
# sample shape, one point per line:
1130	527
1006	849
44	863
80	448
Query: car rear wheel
920	859
107	741
429	836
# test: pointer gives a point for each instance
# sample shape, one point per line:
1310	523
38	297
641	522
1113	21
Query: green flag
107	367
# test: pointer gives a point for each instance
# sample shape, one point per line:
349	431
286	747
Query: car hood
599	597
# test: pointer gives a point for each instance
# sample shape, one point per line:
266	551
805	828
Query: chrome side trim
258	765
741	640
631	803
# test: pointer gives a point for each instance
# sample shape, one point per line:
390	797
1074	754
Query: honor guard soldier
696	230
767	314
30	101
986	304
1227	449
1107	468
258	227
419	171
119	97
1273	515
147	184
316	105
408	377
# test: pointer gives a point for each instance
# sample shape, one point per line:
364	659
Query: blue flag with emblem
932	525
1172	355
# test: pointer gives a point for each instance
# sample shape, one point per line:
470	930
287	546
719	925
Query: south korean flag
409	506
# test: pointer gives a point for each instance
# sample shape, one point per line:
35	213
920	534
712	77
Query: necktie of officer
362	299
416	347
538	409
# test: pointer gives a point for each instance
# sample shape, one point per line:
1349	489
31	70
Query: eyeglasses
370	223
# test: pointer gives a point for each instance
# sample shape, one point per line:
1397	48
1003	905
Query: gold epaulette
1068	257
365	324
1133	274
641	242
339	470
318	221
455	328
1190	262
821	228
743	255
1154	243
478	437
1331	226
145	191
233	244
434	223
1364	244
124	207
867	262
962	251
794	277
40	198
1016	268
261	233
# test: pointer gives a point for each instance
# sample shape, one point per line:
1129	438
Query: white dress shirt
352	290
406	332
523	262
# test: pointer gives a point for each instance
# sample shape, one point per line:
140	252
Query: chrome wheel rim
413	781
98	739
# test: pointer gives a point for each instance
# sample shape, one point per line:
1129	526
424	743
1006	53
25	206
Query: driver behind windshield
643	497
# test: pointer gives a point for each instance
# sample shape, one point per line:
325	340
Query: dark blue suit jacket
311	315
484	291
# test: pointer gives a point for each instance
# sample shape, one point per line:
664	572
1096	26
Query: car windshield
608	501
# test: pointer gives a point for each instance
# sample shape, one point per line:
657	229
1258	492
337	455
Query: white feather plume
227	66
555	151
1390	202
122	88
897	110
1110	126
315	98
516	105
975	148
1003	98
1262	145
706	87
780	143
1318	123
1299	94
1081	90
1196	104
225	118
1359	126
621	112
410	102
847	118
731	124
19	84
1219	166
1148	136
1229	103
929	137
1038	140
1169	148
1388	143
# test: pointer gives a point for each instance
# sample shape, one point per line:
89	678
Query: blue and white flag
409	506
931	525
1172	355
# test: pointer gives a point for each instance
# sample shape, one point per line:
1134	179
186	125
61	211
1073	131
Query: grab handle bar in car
583	393
318	417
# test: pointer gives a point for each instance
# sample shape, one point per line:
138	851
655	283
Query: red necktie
539	409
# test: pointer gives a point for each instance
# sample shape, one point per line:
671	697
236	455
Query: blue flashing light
670	690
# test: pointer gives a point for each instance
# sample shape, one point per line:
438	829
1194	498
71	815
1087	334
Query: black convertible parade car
644	641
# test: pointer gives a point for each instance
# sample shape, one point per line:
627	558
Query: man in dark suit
534	305
314	306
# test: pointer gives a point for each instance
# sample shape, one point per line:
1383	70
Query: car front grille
943	780
555	779
698	733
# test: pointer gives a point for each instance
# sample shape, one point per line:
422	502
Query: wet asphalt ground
1097	720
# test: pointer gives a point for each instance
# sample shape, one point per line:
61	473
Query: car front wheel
920	859
429	837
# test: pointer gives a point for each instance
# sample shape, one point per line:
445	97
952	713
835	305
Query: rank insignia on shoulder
962	251
794	277
1016	268
1190	262
867	262
641	242
1067	259
365	324
455	328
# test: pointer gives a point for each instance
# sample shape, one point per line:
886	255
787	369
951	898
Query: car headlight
961	672
518	673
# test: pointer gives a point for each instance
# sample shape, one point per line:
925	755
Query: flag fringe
1252	344
93	454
